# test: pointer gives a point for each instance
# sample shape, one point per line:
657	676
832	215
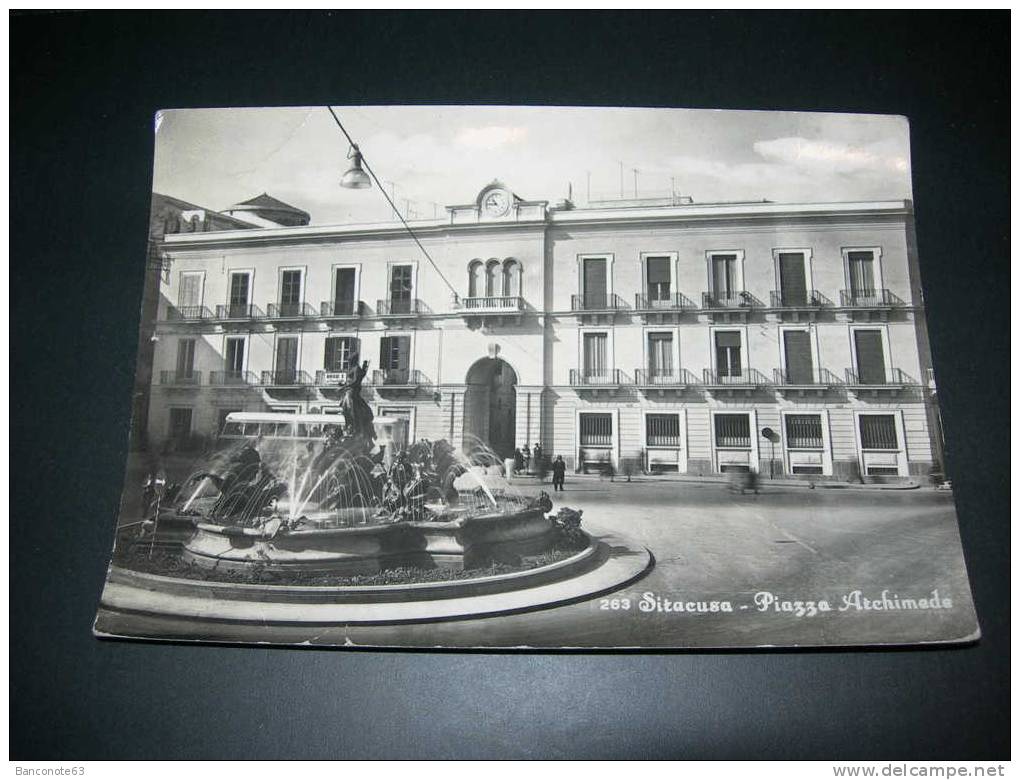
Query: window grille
732	430
878	432
662	430
804	431
596	430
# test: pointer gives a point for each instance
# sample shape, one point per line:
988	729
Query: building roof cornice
579	217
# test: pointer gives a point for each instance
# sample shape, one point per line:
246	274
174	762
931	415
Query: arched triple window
492	278
511	277
474	278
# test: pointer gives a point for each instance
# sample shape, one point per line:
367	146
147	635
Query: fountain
317	494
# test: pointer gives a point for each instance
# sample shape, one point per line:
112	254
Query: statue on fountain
357	413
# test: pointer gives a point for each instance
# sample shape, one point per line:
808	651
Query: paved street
713	545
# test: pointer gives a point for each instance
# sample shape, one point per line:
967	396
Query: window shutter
870	357
330	358
792	279
384	352
403	356
799	366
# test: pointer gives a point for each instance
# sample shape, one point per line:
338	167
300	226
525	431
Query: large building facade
680	337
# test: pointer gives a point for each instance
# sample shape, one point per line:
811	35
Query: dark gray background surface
84	87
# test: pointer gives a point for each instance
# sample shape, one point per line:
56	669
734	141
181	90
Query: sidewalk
830	484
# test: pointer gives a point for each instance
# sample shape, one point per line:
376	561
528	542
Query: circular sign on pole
770	434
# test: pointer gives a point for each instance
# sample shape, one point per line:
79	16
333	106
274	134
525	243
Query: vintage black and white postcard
535	378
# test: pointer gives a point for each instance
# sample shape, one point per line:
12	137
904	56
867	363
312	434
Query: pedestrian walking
537	455
559	470
526	452
518	461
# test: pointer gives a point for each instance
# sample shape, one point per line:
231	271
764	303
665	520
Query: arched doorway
490	406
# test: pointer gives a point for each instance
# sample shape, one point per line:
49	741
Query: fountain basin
458	543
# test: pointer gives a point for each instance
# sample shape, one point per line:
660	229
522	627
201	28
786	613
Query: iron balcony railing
400	377
325	378
403	307
748	377
823	377
596	302
295	310
285	378
894	377
232	378
188	313
674	302
341	308
656	377
607	377
238	311
180	378
492	303
868	298
737	299
798	300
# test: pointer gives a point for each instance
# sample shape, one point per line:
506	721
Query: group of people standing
529	460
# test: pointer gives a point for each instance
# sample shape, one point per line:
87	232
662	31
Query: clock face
496	203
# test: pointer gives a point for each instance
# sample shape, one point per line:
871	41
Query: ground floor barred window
878	432
732	430
662	430
804	432
596	430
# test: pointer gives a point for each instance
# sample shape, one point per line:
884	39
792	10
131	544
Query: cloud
491	137
834	156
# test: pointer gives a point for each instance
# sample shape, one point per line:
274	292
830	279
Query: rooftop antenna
635	182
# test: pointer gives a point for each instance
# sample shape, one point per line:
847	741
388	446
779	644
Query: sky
434	156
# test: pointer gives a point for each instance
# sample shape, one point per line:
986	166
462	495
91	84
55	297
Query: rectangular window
800	369
185	358
240	289
792	279
804	432
400	289
595	355
595	284
344	292
660	354
878	432
190	292
395	358
861	272
870	357
234	360
724	277
339	351
662	430
180	427
596	430
286	359
733	430
727	353
659	281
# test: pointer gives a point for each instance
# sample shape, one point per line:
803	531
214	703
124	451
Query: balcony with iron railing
747	379
176	378
735	299
238	312
596	378
804	299
398	378
409	307
676	302
893	379
188	313
325	378
878	298
341	308
664	378
233	378
801	383
285	378
290	310
596	302
492	304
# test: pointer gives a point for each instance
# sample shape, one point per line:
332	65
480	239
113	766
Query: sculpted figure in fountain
357	413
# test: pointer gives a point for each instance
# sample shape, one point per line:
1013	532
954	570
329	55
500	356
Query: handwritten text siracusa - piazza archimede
766	601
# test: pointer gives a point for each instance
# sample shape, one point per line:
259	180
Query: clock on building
496	203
